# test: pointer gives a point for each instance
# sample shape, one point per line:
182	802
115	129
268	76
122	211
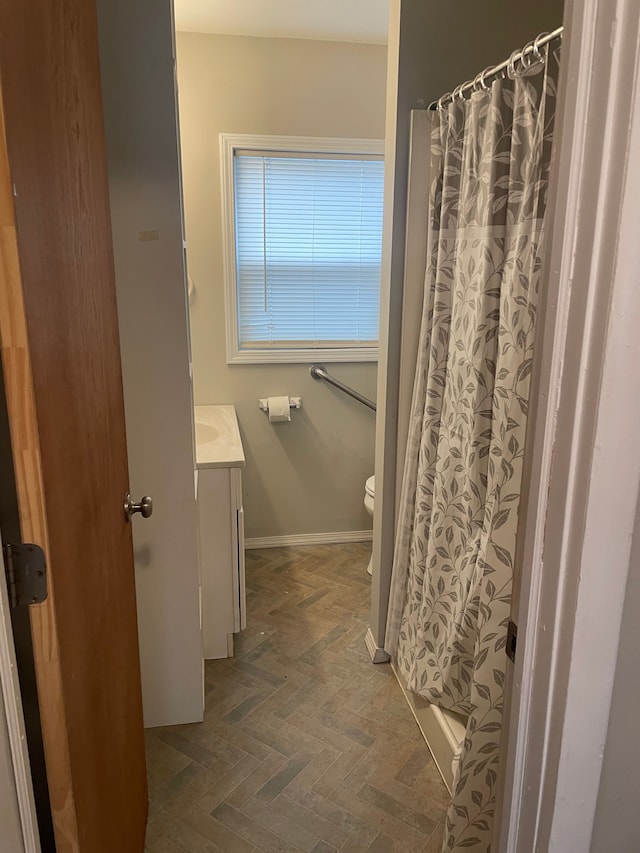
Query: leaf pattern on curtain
455	545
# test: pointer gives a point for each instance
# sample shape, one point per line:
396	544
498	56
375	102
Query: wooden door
61	363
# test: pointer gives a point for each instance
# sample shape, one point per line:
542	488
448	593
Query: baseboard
309	539
443	731
376	653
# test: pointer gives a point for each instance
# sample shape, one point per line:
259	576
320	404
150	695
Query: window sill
309	356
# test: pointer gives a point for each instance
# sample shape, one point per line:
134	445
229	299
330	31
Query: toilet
369	495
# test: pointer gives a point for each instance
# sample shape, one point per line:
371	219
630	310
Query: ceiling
326	20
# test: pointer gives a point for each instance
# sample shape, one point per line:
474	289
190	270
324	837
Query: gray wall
460	38
433	46
139	100
306	476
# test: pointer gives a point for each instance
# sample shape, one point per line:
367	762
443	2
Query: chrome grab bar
318	372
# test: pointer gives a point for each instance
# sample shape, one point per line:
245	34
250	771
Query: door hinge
26	574
512	638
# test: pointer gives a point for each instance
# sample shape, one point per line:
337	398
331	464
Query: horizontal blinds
308	247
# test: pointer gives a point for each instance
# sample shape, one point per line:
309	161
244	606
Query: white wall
307	476
617	821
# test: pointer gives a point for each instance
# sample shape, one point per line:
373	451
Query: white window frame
229	144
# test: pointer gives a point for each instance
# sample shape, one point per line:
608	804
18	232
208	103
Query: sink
218	442
206	433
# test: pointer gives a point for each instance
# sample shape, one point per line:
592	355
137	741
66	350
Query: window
302	223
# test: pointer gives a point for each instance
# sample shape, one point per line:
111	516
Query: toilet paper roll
279	409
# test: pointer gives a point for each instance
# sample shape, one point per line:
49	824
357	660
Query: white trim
376	653
443	731
586	460
415	266
311	144
309	539
302	356
229	144
10	689
615	462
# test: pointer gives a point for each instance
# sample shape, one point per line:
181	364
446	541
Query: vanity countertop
218	442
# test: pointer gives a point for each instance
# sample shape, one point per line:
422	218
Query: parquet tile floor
305	746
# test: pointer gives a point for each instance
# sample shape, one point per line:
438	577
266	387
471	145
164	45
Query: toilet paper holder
294	403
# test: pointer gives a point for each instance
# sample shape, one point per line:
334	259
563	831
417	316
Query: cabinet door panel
218	531
240	607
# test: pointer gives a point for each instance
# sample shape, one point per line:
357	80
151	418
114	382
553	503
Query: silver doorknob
145	507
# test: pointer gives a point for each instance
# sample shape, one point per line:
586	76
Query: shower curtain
456	538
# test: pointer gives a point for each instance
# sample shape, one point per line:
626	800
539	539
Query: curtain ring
511	67
540	56
479	81
526	58
462	87
442	99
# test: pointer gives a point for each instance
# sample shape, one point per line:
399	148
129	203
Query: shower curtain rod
508	65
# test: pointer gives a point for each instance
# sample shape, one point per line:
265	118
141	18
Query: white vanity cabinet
220	459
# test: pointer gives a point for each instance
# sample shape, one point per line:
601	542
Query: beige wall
307	476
